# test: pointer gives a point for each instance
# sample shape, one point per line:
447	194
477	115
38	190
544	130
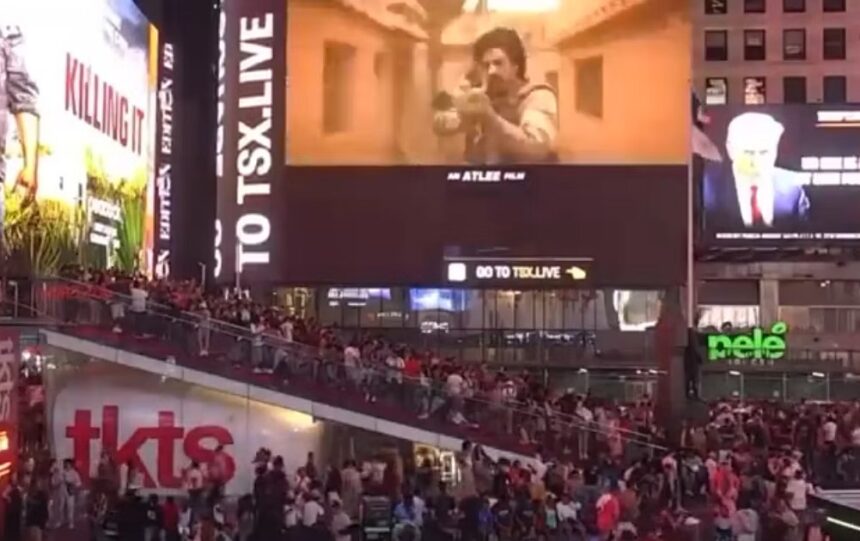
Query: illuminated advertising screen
77	133
9	401
163	207
523	272
486	83
781	173
396	113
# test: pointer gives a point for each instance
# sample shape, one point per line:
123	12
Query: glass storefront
431	309
497	325
716	385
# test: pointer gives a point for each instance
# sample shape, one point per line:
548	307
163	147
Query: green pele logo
754	345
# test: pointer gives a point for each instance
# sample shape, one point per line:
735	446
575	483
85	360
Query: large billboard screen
781	173
486	82
446	128
76	129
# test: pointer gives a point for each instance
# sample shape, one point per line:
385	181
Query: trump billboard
782	173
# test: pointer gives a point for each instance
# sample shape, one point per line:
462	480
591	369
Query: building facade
776	51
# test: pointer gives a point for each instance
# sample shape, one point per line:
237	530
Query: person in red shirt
219	474
608	513
412	367
170	519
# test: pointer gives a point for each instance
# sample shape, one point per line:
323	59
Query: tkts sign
164	162
175	445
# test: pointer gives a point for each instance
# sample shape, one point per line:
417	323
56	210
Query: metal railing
168	334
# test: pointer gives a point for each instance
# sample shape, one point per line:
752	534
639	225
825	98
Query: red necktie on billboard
756	210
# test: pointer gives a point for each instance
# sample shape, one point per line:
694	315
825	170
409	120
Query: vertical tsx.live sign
248	124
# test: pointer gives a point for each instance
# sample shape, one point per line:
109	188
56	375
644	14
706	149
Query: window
380	65
551	78
794	44
754	46
794	89
716	91
833	5
754	6
589	86
716	7
793	6
835	89
834	44
716	45
338	82
755	90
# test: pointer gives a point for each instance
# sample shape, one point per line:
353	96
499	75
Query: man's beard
497	87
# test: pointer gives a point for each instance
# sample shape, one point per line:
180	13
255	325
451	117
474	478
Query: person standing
194	486
340	522
139	296
170	519
36	513
20	97
56	489
204	329
13	510
154	519
71	486
608	513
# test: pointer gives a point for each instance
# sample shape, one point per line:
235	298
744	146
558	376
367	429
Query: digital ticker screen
535	272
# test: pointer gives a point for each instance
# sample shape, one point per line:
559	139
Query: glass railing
234	352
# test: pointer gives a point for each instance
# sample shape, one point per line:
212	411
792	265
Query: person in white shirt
352	363
312	510
291	512
139	295
130	478
829	430
746	521
70	488
855	437
257	329
456	387
567	509
797	489
583	436
395	365
137	312
287	329
340	521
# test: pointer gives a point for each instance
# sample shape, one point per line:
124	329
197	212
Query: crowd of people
603	469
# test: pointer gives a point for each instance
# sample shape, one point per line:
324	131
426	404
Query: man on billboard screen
505	118
481	82
19	98
749	191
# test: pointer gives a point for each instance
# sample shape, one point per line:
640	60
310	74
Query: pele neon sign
756	344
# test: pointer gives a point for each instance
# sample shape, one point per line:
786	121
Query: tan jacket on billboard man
505	118
19	96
